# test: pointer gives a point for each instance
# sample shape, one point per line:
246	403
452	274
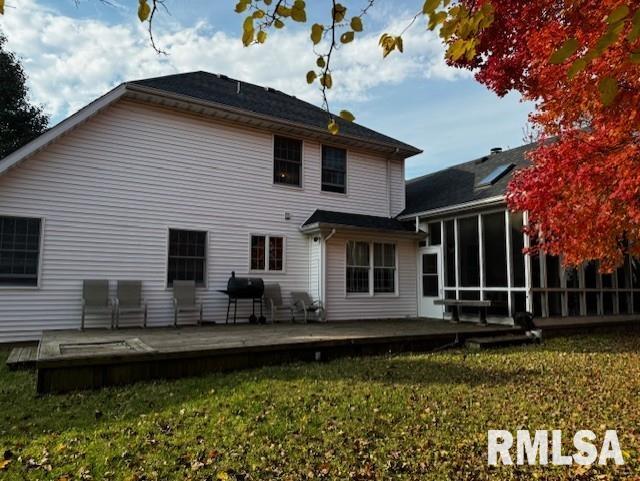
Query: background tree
20	122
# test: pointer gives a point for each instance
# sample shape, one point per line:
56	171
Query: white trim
452	209
61	128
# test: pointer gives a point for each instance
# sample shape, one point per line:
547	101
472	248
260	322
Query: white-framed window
287	161
187	256
267	253
384	267
371	267
358	267
334	169
20	240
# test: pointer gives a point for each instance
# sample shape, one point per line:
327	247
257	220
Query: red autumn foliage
582	191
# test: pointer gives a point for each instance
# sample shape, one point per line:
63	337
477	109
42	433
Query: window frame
38	284
267	240
371	267
394	268
205	273
346	170
300	186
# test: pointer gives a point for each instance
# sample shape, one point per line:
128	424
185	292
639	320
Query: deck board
22	357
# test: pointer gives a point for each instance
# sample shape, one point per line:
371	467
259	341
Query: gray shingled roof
358	220
261	100
458	184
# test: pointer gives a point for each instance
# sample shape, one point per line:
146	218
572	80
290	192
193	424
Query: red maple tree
579	61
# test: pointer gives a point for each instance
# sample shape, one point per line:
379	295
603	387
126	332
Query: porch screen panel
635	282
495	249
516	222
357	267
450	254
554	298
591	283
573	297
468	252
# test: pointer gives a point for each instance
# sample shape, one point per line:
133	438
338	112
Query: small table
455	304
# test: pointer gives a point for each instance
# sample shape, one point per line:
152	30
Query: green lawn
422	417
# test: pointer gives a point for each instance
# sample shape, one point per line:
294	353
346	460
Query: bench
455	305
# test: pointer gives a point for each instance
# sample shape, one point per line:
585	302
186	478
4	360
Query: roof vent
482	159
238	88
496	150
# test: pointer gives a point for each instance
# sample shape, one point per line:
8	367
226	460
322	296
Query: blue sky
74	53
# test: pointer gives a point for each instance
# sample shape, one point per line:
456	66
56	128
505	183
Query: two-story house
194	176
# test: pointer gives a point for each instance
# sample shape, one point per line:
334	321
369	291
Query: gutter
496	200
317	227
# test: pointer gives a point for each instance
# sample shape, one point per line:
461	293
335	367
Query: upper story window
334	169
19	251
287	161
187	256
267	253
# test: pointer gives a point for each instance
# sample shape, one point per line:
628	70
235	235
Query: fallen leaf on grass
4	463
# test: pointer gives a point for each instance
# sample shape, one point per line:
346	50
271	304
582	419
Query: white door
430	282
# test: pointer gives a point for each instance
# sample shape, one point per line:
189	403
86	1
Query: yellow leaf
258	14
356	24
346	115
1	7
4	463
144	10
436	19
333	127
241	6
278	23
339	12
430	6
311	76
298	13
399	44
617	14
262	36
608	88
568	48
347	37
283	11
223	476
326	81
316	33
320	62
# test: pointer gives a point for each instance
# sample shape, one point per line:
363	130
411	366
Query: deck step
23	357
490	342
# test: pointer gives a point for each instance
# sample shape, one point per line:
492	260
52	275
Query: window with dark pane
187	256
499	303
494	244
276	251
334	169
258	253
469	252
287	161
430	286
450	254
517	245
358	267
435	234
384	267
19	251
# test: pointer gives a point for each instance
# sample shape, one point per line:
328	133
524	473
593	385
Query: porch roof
326	219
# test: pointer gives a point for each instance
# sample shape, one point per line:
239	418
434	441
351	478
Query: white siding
397	184
110	190
343	306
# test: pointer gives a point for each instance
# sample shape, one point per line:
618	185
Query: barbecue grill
244	288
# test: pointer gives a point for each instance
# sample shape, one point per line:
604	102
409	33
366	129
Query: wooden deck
70	359
22	357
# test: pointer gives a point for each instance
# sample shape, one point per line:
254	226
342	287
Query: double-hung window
19	251
358	267
187	256
384	267
334	169
371	274
267	253
287	161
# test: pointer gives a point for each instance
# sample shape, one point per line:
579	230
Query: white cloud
72	61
